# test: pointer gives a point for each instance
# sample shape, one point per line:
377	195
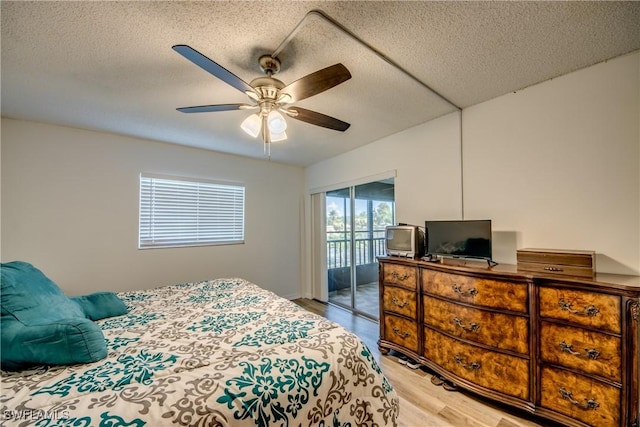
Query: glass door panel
338	226
355	241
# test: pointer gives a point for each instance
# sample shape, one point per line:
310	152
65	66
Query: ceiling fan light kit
276	122
271	96
252	125
276	127
275	137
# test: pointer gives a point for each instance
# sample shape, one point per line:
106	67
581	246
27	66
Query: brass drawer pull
473	327
470	293
396	276
553	269
398	303
591	353
589	404
401	334
589	311
471	366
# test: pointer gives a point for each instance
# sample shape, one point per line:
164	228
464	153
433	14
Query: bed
221	352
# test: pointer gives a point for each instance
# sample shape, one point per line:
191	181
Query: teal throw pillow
100	305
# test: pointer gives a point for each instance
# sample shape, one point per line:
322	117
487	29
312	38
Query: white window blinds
185	212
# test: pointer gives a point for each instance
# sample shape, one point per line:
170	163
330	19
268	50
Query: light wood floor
423	404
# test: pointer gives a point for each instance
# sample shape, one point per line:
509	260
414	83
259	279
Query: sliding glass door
355	221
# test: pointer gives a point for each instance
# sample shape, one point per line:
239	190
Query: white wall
556	165
70	206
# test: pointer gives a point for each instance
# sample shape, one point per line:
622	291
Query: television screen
461	238
404	240
399	239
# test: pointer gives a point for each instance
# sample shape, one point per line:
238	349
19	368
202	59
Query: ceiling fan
271	97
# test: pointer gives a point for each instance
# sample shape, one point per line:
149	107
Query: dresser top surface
510	271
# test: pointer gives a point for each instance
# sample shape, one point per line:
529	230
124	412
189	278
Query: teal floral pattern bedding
222	352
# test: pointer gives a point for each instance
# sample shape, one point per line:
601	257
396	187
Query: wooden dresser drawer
493	370
400	275
401	331
583	308
498	330
401	301
581	349
479	291
583	398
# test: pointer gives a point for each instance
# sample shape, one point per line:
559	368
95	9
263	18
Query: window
185	212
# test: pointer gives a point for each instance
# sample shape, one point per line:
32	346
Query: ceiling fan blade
212	67
314	83
318	119
218	107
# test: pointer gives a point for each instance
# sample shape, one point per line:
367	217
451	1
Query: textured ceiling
109	65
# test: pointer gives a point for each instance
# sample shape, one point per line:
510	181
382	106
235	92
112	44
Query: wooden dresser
561	347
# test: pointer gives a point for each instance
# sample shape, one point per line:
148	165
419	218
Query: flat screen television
404	240
459	238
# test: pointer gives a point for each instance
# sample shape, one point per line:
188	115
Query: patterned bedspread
223	352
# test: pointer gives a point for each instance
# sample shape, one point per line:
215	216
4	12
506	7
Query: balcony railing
367	248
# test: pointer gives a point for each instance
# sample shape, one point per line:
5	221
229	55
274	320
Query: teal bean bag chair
40	325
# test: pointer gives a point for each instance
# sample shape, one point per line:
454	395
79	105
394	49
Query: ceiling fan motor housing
267	87
268	90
